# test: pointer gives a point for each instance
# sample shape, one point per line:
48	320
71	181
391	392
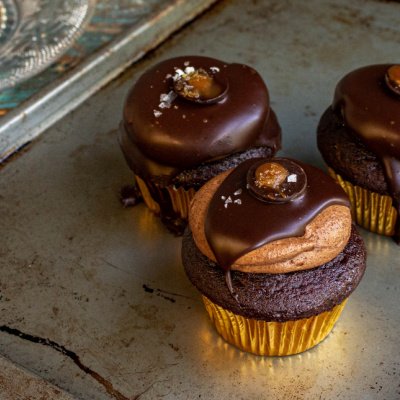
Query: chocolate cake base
195	178
348	156
278	297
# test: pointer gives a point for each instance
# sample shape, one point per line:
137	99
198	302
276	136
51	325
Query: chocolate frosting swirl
237	226
163	139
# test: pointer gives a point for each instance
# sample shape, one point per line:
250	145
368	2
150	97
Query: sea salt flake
178	74
239	191
292	178
223	198
228	200
214	69
238	201
164	97
168	97
189	70
157	113
186	63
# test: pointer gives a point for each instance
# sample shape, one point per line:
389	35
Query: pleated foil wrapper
270	338
372	211
179	198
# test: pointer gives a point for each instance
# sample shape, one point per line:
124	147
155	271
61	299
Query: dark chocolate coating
188	134
372	112
227	226
347	155
278	297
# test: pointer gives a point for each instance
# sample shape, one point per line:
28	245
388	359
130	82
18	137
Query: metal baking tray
120	32
93	296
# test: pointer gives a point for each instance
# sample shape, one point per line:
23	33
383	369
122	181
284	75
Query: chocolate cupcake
272	249
188	119
359	139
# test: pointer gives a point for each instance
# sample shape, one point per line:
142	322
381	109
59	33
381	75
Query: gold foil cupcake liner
179	198
272	338
372	211
147	197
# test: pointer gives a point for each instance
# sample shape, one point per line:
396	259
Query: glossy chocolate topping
163	133
237	222
372	111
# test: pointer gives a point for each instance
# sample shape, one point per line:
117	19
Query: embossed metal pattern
119	33
36	33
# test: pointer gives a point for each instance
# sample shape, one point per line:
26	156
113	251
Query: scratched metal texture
93	296
16	383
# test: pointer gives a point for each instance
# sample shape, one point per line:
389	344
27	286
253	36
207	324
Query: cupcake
359	139
272	249
188	119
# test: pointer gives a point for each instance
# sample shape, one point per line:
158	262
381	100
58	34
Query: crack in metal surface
161	292
108	386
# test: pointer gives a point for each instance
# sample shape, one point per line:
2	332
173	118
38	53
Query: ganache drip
238	222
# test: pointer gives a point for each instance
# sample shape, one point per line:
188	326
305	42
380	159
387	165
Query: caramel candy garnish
277	181
392	78
199	86
270	175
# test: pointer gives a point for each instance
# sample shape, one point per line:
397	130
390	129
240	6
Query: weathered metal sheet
94	298
107	47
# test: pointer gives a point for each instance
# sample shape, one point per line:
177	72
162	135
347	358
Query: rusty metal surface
93	296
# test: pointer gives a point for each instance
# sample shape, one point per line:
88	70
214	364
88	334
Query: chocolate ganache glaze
164	133
238	221
367	100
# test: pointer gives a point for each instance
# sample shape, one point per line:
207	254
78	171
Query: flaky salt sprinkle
157	113
214	69
189	70
178	74
239	191
166	99
292	178
186	63
228	200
